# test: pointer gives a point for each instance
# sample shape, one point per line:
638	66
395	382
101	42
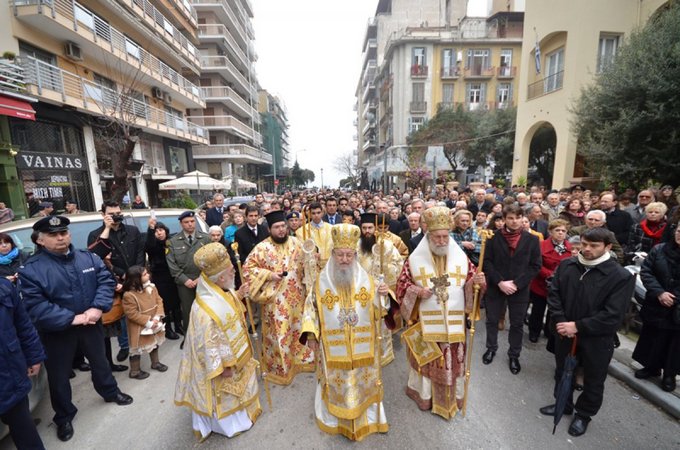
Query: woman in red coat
553	251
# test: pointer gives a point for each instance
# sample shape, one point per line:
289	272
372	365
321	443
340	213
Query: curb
649	390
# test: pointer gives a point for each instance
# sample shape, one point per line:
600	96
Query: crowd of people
328	277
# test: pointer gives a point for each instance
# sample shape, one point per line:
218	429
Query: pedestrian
45	209
587	300
511	261
71	208
137	203
65	292
11	258
21	355
213	216
6	214
144	310
659	344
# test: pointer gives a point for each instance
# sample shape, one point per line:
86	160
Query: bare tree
348	165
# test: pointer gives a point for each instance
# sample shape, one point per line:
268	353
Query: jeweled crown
437	218
212	258
345	235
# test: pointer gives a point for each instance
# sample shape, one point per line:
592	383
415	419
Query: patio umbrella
196	180
565	387
241	183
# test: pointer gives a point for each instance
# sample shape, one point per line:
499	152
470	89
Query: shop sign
29	160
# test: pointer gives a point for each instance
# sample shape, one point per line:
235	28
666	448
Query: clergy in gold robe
435	292
275	272
341	319
383	221
218	374
369	250
318	231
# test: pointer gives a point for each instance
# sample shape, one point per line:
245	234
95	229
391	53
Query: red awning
16	108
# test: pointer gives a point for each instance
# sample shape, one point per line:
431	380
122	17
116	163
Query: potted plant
10	56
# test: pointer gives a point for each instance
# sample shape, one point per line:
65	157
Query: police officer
65	292
180	257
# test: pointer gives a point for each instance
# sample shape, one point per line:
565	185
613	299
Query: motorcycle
632	319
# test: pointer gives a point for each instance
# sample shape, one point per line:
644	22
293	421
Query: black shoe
487	358
118	368
179	330
514	365
65	431
122	355
181	346
533	337
83	367
668	383
550	410
578	426
170	334
72	375
647	373
120	399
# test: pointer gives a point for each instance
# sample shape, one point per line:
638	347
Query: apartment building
96	67
275	137
576	40
230	88
412	70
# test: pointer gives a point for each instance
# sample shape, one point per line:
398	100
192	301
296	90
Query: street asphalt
502	413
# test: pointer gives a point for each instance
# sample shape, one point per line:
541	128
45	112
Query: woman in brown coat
144	310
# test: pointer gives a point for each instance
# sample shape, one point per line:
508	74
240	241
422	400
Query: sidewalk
623	368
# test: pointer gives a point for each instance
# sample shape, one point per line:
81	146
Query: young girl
144	310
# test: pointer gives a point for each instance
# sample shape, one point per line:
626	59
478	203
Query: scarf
653	230
148	287
559	248
512	237
7	259
589	264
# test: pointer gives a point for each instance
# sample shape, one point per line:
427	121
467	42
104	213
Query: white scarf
590	263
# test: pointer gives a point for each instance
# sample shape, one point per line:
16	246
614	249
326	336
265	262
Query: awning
16	108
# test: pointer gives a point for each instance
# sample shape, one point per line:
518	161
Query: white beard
342	277
438	251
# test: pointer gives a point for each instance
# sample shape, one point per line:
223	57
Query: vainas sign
29	160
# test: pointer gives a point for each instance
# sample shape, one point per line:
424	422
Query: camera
117	217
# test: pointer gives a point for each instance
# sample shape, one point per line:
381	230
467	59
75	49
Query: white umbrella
242	184
196	180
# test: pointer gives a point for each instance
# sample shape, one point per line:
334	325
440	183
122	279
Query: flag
537	56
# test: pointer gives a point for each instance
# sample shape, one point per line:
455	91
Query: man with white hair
596	218
479	203
552	208
217	376
434	292
340	321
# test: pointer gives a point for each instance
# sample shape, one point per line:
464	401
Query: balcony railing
221	63
418	107
418	71
506	72
546	85
225	122
450	72
215	29
218	93
50	82
185	7
227	9
479	72
226	150
113	40
11	76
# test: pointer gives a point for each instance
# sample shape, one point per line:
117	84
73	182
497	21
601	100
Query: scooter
632	319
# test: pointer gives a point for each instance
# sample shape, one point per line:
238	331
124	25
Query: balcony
450	73
222	65
368	145
229	97
546	85
505	105
226	123
480	106
369	125
418	107
418	71
69	21
188	11
216	33
479	72
11	77
54	85
506	72
238	153
226	15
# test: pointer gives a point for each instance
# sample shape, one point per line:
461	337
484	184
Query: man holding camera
127	250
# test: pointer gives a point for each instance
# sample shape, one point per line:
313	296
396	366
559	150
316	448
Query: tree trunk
120	161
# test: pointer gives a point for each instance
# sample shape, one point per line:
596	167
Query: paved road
502	413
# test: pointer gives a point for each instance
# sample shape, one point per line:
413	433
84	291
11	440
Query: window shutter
482	93
467	92
510	96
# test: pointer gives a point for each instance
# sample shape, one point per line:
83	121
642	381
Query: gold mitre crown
212	258
437	218
345	235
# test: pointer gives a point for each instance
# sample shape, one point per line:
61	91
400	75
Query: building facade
575	40
99	68
230	88
274	137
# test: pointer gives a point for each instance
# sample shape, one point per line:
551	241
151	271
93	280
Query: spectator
44	209
251	234
667	196
466	235
595	219
213	216
648	233
216	235
574	213
11	258
33	204
536	222
332	216
637	211
238	220
137	203
71	208
480	220
618	222
480	203
412	231
65	292
552	208
6	214
19	363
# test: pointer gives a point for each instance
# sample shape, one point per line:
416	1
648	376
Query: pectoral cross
441	284
423	277
460	277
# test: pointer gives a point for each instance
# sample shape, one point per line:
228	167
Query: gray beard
342	277
438	251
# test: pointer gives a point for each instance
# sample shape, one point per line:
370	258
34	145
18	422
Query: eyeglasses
644	196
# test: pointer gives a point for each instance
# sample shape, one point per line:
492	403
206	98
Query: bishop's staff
381	279
485	234
234	247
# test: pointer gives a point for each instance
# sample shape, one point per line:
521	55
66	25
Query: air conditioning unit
73	51
156	92
155	170
167	99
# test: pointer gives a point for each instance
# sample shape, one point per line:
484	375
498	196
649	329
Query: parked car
80	227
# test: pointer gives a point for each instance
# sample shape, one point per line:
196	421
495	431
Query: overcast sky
309	55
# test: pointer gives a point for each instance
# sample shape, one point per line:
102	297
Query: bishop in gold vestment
217	375
435	295
275	271
341	319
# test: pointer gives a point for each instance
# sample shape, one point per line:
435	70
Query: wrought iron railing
546	85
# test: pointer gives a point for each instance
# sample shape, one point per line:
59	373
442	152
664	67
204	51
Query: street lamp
322	178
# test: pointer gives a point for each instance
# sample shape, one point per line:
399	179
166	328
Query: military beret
44	205
293	215
186	214
51	224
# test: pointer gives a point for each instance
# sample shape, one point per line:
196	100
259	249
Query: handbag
115	313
